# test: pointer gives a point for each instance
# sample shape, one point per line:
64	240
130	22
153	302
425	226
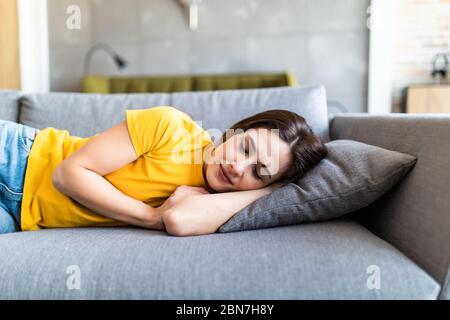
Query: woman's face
248	160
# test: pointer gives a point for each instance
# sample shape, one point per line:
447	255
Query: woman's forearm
204	214
99	195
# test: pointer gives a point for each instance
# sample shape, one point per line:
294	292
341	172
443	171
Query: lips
224	175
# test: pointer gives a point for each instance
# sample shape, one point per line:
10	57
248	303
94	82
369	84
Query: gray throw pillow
352	176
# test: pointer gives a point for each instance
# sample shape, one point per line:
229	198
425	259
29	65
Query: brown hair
307	149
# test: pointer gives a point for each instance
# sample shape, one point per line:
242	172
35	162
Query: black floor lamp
118	60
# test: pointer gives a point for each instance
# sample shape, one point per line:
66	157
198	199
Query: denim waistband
27	131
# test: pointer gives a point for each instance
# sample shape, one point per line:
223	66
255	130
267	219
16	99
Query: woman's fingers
179	194
202	190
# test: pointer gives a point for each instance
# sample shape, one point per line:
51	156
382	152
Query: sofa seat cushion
327	260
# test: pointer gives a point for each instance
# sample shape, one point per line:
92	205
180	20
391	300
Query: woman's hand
194	215
178	195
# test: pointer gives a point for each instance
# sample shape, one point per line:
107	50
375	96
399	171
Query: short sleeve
151	128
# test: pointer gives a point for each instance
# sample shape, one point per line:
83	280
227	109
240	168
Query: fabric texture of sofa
401	238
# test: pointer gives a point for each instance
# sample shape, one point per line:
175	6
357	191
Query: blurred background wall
320	41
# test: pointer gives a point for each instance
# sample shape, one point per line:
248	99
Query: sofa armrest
414	216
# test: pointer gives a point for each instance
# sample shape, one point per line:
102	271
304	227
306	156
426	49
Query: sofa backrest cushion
81	114
87	114
221	109
9	108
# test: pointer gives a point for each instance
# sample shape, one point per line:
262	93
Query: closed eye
255	174
246	151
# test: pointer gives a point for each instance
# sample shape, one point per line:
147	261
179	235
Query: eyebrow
252	141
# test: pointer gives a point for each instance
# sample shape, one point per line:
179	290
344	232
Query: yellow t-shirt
170	146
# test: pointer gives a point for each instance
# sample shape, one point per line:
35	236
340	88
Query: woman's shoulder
167	112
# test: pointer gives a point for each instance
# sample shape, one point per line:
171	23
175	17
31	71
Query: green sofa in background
203	82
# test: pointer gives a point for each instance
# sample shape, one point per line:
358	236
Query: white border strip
34	46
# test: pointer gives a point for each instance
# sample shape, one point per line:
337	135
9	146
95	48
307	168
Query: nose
238	167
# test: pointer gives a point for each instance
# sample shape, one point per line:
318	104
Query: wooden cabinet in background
433	98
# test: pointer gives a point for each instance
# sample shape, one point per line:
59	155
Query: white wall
34	47
380	57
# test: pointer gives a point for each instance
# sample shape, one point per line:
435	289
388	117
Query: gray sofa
404	237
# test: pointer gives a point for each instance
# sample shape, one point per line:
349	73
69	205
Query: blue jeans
15	145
